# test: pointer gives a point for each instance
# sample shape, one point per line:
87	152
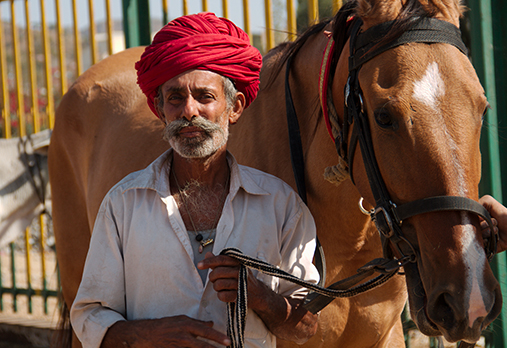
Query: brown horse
424	107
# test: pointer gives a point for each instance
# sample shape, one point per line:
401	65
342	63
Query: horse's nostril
442	312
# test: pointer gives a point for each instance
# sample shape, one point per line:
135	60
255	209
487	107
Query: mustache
172	129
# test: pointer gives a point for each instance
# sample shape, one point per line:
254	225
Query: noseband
387	216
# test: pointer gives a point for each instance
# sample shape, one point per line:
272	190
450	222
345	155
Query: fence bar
6	112
109	26
165	12
337	5
204	5
225	9
1	286
185	7
61	49
291	20
28	269
270	36
77	39
33	77
246	20
13	279
17	68
47	64
42	242
313	12
136	22
93	43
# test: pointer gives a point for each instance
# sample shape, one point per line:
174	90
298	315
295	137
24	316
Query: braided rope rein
236	311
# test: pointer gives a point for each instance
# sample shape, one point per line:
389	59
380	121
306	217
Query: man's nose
190	108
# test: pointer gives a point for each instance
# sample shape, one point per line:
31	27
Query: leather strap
424	30
298	164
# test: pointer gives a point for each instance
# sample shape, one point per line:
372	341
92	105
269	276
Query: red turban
200	41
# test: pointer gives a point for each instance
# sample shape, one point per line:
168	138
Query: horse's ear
364	7
237	108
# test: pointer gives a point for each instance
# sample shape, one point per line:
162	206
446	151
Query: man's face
196	111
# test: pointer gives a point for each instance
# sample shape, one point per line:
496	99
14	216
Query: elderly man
153	276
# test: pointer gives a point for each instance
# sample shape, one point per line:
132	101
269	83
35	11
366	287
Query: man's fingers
204	329
225	284
217	261
486	232
227	296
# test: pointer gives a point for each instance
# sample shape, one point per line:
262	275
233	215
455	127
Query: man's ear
237	108
160	113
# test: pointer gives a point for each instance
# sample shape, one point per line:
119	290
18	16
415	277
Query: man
153	276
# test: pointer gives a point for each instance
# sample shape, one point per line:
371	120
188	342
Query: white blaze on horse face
475	260
428	90
430	87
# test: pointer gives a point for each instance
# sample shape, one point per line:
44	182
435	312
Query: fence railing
28	274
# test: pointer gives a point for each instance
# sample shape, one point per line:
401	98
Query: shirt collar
156	176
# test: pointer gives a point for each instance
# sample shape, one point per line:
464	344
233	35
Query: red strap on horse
323	82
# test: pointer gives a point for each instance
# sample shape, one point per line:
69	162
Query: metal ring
364	211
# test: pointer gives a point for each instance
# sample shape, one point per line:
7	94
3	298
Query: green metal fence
25	272
489	57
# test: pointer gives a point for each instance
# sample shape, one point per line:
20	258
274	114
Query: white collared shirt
140	262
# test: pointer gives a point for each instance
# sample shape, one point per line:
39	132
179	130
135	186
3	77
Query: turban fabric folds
200	41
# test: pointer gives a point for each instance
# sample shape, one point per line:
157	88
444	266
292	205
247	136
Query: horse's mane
412	11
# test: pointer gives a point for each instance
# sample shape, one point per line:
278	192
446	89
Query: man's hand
224	275
286	318
171	332
498	214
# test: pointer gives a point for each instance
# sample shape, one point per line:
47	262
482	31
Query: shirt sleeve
100	301
298	248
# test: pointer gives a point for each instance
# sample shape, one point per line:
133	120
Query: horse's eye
485	112
384	119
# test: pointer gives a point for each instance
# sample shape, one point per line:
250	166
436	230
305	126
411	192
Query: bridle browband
387	216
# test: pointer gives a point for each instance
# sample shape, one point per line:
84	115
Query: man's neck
207	171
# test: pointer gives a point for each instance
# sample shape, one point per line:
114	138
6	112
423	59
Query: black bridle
387	216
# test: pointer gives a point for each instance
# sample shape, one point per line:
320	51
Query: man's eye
174	97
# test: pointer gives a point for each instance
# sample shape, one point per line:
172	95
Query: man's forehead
194	79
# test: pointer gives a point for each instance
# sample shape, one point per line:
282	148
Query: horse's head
424	107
